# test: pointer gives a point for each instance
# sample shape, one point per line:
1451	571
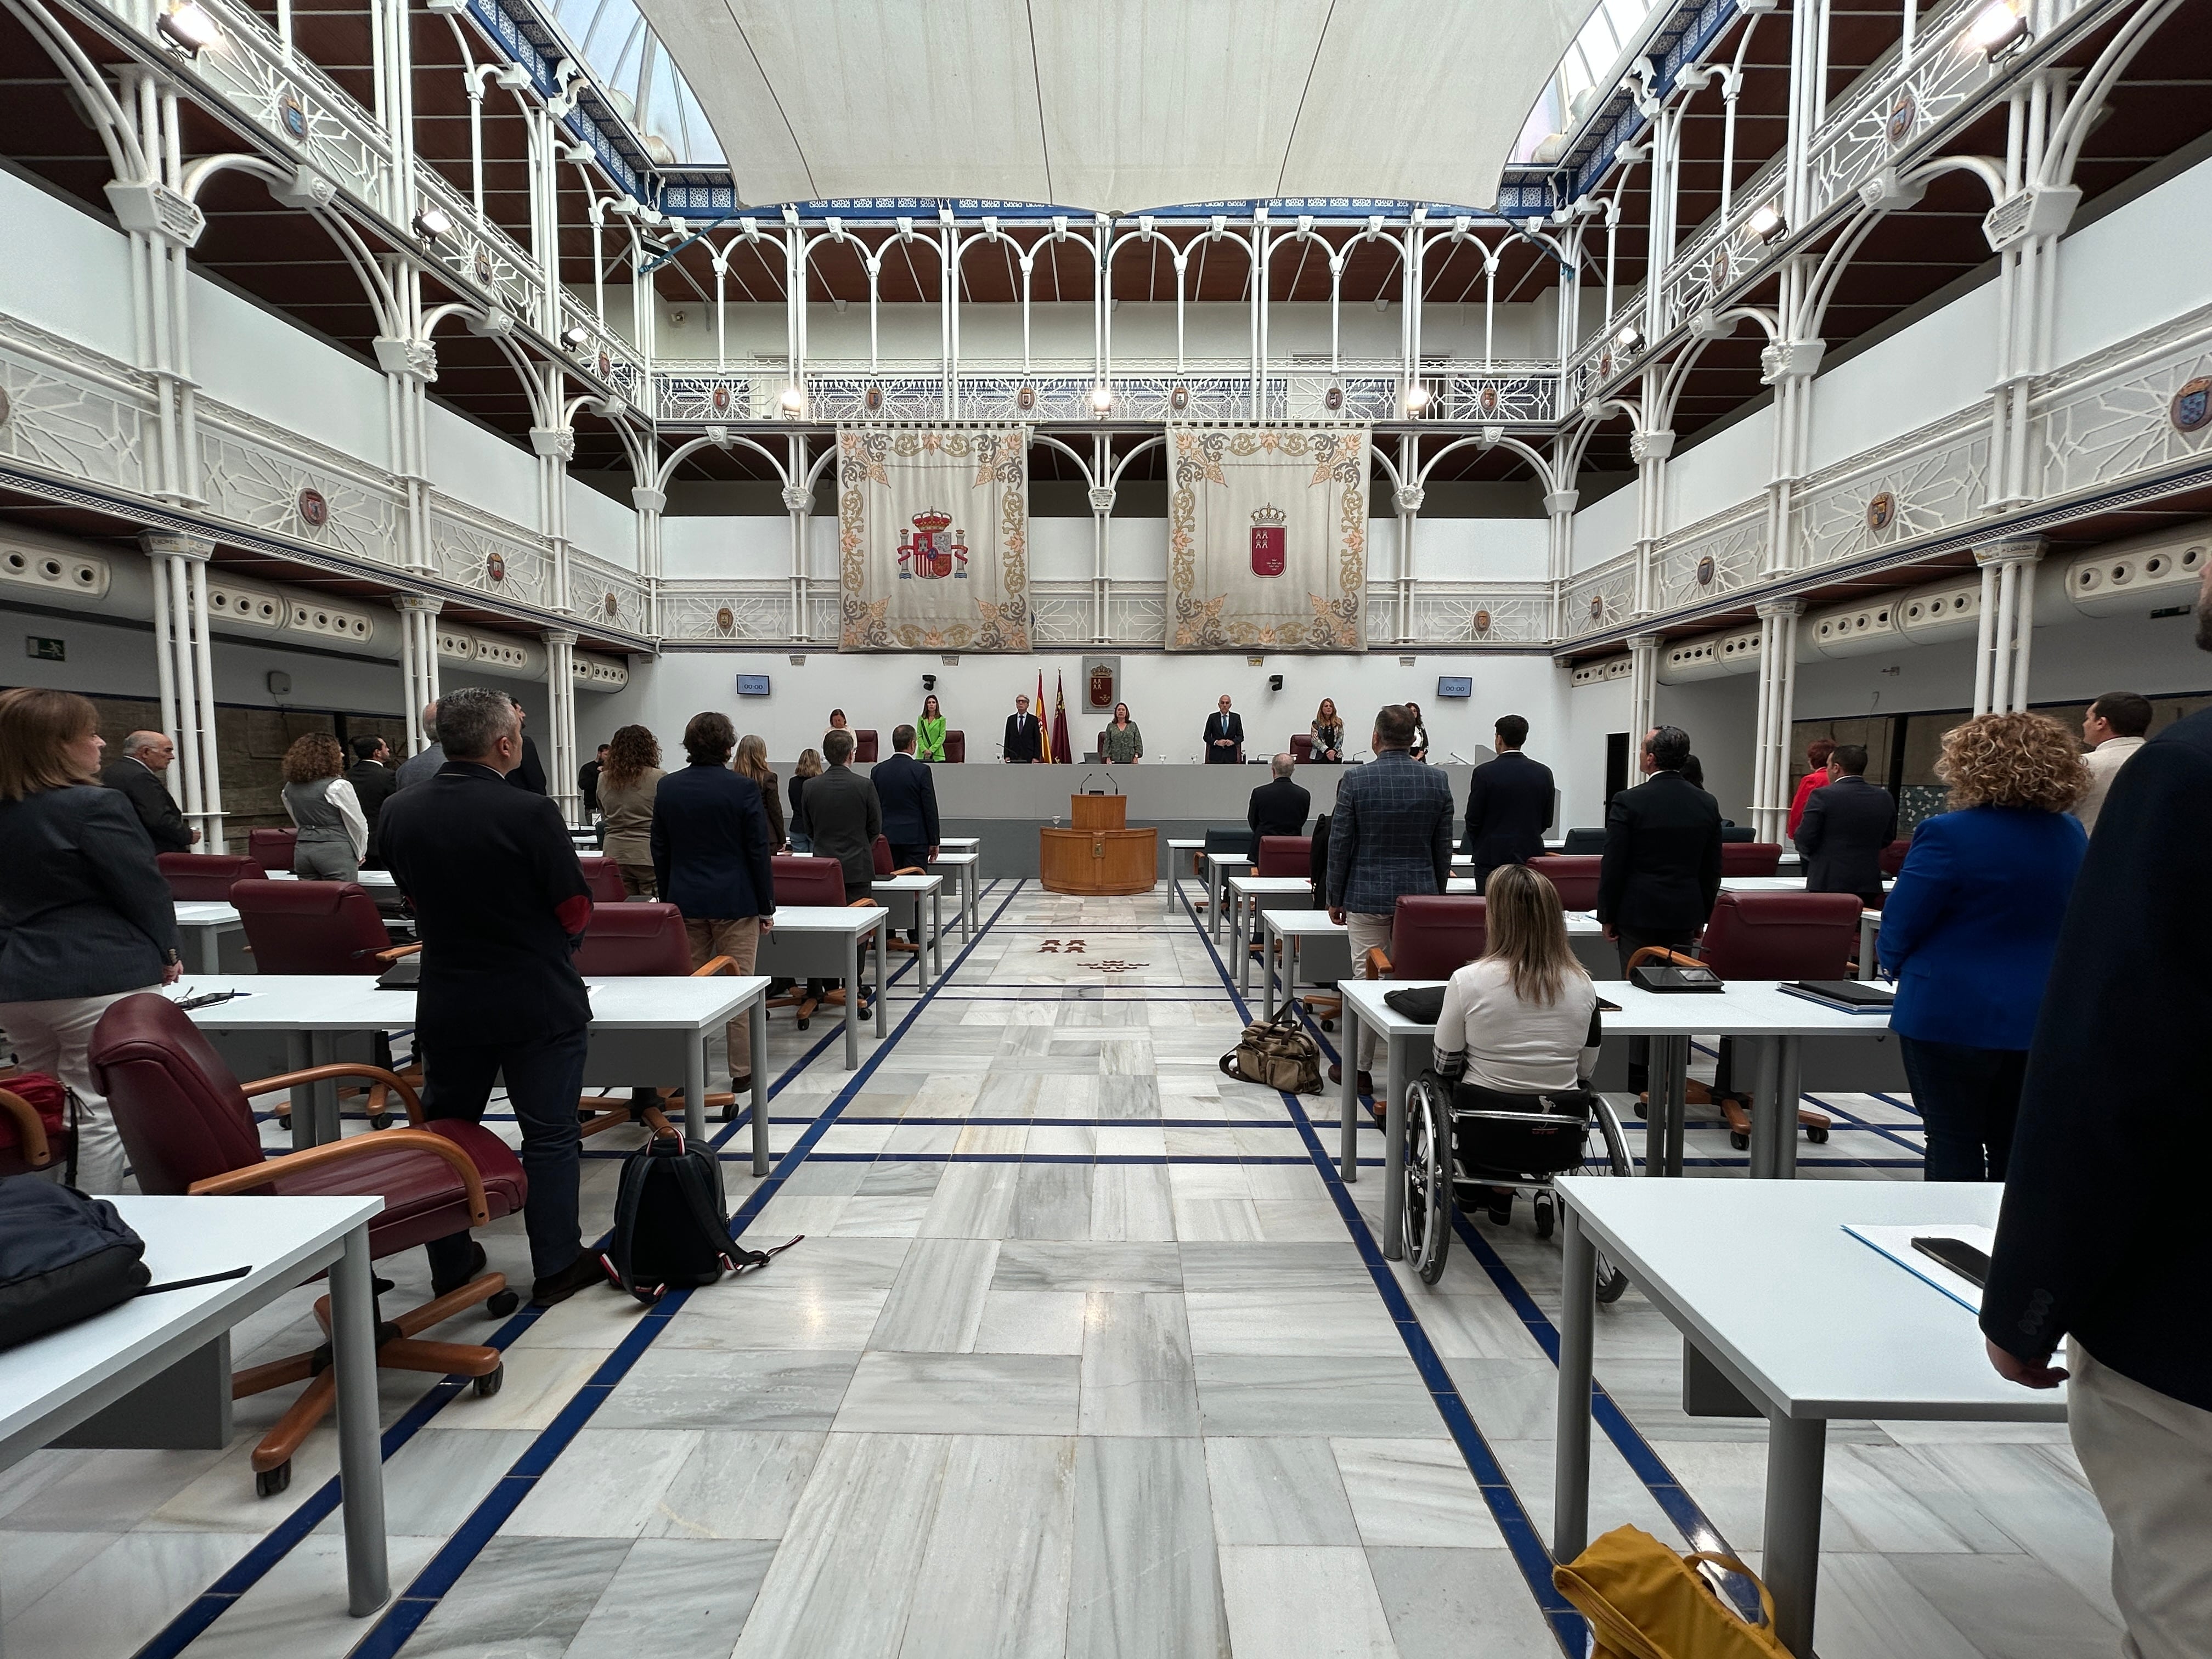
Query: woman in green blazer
930	744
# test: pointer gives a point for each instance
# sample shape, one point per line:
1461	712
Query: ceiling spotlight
574	337
1997	30
431	223
1416	397
189	29
793	402
1102	398
1766	222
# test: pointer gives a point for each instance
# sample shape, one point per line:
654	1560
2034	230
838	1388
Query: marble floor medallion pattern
1085	1355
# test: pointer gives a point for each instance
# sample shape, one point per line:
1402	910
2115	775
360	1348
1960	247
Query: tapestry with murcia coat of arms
933	538
1267	538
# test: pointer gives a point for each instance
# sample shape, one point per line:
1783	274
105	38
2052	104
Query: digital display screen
1456	686
752	685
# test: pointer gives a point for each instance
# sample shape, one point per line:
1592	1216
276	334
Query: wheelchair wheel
1428	1180
1611	1280
1547	1215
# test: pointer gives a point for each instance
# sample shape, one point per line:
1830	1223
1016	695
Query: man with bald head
424	763
137	773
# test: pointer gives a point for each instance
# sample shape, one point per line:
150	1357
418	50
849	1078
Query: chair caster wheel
1329	1025
1818	1137
381	1121
502	1304
1546	1219
267	1483
488	1386
730	1112
804	1023
1741	1143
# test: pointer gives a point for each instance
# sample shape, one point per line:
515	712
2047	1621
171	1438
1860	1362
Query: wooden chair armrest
911	870
860	903
1660	953
335	1151
719	965
30	1128
1378	964
344	1068
396	952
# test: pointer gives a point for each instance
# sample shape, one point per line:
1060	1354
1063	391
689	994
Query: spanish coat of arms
928	553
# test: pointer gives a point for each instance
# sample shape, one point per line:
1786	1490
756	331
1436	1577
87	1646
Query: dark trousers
1639	1049
544	1077
1968	1098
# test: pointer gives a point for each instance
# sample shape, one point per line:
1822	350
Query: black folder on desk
1850	996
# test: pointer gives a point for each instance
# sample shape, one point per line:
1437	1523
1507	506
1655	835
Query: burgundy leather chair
28	1141
604	875
863	747
1575	877
810	881
956	748
1302	747
272	849
1284	855
1432	936
1772	936
1750	858
638	939
205	878
1891	856
186	1125
320	927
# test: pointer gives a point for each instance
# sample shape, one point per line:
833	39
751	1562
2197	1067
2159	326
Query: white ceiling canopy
1118	105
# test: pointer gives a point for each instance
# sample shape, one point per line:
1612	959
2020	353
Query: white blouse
1514	1047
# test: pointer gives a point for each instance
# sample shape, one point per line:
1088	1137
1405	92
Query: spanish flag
1044	730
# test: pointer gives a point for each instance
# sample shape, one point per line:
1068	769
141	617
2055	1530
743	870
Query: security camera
1274	681
929	682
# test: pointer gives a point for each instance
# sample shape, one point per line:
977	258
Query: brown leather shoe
1364	1082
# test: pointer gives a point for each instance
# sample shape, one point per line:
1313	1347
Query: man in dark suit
1224	736
529	771
373	780
501	904
1025	741
1847	822
1662	870
845	814
711	846
906	790
1278	806
2114	1096
1389	835
137	773
1508	803
587	779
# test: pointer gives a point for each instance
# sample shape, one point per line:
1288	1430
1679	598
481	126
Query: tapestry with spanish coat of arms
933	538
1267	538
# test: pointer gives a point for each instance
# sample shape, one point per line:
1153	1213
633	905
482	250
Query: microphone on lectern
1460	758
1111	784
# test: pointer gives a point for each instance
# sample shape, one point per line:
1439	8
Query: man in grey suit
425	762
1846	824
1390	834
140	774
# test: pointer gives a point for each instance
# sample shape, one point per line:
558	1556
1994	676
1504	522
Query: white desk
1755	1010
1290	930
966	866
205	921
1778	883
823	941
1219	867
49	1386
961	843
1262	893
634	1022
1178	846
374	880
905	894
1802	1320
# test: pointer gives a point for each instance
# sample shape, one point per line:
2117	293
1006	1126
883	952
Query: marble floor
1085	1353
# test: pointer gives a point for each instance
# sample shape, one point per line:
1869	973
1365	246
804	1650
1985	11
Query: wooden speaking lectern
1100	854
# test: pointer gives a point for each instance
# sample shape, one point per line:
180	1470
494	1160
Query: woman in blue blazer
1970	929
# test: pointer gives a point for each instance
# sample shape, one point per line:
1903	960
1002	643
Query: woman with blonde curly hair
1971	927
334	830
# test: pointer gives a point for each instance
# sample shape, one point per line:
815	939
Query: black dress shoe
476	1264
742	1086
579	1275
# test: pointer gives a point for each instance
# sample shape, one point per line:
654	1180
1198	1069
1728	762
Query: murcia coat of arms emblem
2192	409
1269	542
928	553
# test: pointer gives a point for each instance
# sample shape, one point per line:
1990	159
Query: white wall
69	274
1605	530
1577	763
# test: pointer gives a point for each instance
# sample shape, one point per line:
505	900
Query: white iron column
2007	626
561	696
798	501
1560	507
1102	510
1651	450
1409	500
409	366
1643	684
1788	366
1778	701
163	225
555	445
418	661
650	505
186	665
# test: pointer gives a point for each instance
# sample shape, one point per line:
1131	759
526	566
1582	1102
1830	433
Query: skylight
611	37
1589	68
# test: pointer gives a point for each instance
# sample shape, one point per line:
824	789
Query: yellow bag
1644	1601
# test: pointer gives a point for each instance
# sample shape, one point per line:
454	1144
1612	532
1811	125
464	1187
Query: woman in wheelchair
1504	1104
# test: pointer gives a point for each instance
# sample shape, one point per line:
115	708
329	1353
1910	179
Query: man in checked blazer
1390	834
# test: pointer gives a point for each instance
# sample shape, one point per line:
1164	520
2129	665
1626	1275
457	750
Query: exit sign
42	649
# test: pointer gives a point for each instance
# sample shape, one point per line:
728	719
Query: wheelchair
1463	1138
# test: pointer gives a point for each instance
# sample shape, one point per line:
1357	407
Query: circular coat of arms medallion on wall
1902	114
2191	411
873	400
611	605
1179	399
6	408
1482	622
315	510
484	269
720	399
1025	399
1605	365
1332	400
1881	512
1488	401
606	363
726	620
293	115
1597	609
1705	571
1722	267
495	566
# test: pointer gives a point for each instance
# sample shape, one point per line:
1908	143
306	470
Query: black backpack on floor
672	1222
